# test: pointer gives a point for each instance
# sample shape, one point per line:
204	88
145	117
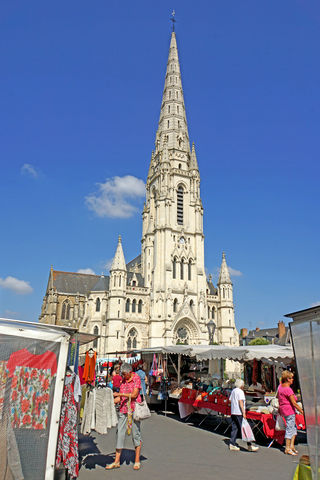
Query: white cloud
116	197
10	314
235	273
18	286
108	264
29	170
315	304
89	271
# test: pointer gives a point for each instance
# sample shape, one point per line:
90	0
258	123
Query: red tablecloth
269	424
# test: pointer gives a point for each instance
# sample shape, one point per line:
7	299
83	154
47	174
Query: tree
259	341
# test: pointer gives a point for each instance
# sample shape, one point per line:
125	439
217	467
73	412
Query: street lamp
211	329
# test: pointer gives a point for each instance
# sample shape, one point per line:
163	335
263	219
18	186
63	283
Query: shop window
98	304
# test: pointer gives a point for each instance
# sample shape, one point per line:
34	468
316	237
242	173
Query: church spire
173	128
224	276
119	262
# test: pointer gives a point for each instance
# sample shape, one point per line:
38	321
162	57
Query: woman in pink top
287	409
129	388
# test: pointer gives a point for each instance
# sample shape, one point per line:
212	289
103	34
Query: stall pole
166	387
179	369
221	369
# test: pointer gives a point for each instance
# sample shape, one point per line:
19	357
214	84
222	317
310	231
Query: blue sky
80	92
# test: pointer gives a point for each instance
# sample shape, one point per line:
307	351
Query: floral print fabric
30	393
67	451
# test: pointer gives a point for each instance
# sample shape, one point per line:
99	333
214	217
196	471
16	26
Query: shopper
116	378
129	389
144	380
238	413
287	409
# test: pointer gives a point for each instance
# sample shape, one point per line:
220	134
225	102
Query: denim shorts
122	432
291	429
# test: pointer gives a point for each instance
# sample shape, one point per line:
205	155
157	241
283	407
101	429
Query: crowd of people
130	387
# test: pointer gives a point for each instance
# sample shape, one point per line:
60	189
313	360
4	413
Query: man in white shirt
238	413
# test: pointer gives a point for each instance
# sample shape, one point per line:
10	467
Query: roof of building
212	288
135	261
138	276
102	285
69	282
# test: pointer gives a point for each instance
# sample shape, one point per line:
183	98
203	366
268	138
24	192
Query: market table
269	423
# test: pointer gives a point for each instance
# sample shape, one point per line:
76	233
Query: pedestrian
116	378
287	409
144	380
238	413
128	395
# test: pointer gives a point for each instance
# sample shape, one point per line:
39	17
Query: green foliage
259	341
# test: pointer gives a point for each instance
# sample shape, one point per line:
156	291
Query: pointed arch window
174	268
191	305
209	312
95	341
134	303
189	269
180	193
168	123
140	306
177	108
98	304
65	312
212	312
132	339
120	281
175	305
168	108
182	269
128	305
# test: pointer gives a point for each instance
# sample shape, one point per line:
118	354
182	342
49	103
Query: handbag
280	425
153	371
141	411
246	431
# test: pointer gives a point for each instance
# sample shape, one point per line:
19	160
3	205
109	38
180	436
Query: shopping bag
246	431
280	425
141	411
154	368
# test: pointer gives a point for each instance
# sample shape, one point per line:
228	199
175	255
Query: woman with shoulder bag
287	409
127	397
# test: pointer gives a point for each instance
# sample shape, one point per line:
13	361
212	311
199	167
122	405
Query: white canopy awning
213	352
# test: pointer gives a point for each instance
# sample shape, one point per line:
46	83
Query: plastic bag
246	431
280	425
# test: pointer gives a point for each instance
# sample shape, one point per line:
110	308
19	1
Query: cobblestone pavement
174	450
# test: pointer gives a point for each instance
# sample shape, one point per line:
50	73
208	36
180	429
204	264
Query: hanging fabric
68	448
89	372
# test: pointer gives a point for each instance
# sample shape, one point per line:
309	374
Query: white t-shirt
236	395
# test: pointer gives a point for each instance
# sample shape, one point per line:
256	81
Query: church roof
224	276
133	262
138	276
118	262
102	285
212	288
69	282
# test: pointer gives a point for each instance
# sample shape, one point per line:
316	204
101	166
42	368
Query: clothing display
30	388
3	381
9	454
99	411
89	374
68	448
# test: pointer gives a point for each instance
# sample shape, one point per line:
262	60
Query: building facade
163	296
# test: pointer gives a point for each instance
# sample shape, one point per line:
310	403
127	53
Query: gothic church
162	297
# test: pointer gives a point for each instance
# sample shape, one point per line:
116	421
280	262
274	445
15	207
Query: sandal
295	451
290	452
113	465
136	466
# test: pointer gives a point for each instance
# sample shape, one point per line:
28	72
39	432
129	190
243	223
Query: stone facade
162	296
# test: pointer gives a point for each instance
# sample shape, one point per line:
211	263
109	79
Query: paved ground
175	450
